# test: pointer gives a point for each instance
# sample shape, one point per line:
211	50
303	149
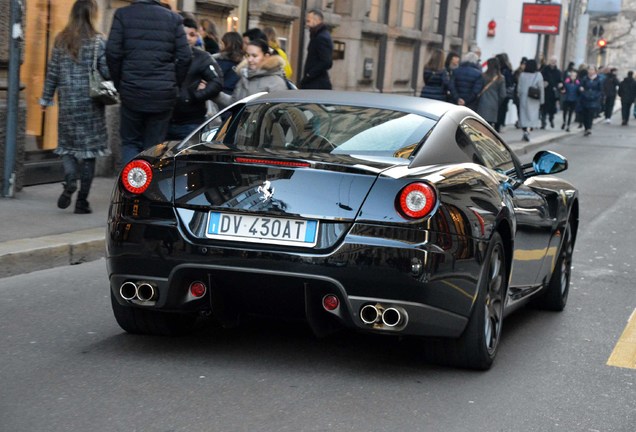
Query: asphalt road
66	366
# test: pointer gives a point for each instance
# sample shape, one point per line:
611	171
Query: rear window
319	128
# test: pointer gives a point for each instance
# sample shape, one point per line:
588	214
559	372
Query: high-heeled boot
81	205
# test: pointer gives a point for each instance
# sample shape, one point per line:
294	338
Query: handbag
534	93
101	90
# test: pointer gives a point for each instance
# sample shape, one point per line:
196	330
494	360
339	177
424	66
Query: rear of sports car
305	210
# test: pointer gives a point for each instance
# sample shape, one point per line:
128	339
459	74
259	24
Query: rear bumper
432	283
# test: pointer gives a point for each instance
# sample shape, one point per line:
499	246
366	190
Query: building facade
379	46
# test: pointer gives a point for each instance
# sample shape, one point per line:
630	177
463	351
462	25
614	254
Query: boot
70	186
82	207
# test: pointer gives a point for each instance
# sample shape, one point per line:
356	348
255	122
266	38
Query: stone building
619	31
379	46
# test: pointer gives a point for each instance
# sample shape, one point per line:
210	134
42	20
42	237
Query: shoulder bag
101	90
534	92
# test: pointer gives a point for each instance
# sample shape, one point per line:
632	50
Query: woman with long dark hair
82	134
493	93
228	58
436	77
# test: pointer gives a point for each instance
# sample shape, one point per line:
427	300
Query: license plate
274	230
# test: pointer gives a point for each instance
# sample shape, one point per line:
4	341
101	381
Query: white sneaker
608	121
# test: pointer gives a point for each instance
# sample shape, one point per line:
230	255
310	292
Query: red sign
541	18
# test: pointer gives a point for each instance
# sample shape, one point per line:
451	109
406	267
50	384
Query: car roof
416	105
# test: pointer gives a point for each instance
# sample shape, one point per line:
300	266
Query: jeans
609	106
82	169
626	109
140	131
178	132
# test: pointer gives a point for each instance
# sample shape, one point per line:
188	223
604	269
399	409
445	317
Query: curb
28	255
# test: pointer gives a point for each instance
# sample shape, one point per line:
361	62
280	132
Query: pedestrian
253	34
627	93
467	82
209	35
82	134
436	77
228	58
319	53
610	89
260	72
591	92
493	94
203	82
506	72
148	56
529	106
553	83
272	40
570	92
516	75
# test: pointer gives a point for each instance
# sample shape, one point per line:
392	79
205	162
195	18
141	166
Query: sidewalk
36	235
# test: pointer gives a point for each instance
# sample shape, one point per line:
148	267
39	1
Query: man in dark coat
627	93
148	57
610	86
553	83
319	54
467	82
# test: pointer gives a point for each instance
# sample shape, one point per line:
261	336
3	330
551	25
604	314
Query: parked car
380	213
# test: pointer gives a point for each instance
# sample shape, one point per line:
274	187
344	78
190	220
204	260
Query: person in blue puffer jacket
591	91
467	82
570	92
436	77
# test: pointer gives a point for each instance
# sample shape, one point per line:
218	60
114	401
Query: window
484	147
378	12
411	13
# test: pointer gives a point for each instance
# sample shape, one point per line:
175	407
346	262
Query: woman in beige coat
261	71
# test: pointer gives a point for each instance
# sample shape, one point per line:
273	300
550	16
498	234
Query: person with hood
528	106
147	71
204	81
627	93
260	72
467	82
319	54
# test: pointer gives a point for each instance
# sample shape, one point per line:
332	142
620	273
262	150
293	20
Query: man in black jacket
148	57
627	93
319	54
204	81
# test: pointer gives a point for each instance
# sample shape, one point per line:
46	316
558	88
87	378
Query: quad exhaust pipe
380	316
141	291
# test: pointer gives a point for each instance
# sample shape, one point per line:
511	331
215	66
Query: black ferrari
380	213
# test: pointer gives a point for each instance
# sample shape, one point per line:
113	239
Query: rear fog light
198	289
330	302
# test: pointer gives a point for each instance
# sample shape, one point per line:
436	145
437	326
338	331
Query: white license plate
275	230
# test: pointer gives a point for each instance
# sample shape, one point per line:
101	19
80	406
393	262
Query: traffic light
601	44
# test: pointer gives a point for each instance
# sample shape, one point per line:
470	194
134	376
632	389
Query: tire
556	295
150	322
477	347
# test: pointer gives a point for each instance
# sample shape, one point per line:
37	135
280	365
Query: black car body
381	213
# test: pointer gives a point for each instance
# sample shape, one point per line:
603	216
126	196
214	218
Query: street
65	365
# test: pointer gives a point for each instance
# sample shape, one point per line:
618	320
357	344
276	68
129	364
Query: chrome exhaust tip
128	290
369	314
392	317
145	292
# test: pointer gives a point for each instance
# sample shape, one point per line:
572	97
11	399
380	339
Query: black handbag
534	93
101	90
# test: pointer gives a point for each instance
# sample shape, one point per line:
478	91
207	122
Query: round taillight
137	176
330	302
416	200
197	289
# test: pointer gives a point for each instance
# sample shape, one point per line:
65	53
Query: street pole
13	97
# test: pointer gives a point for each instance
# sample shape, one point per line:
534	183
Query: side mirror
548	162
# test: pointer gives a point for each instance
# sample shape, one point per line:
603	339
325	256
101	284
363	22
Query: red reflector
136	176
197	289
330	302
416	200
271	162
